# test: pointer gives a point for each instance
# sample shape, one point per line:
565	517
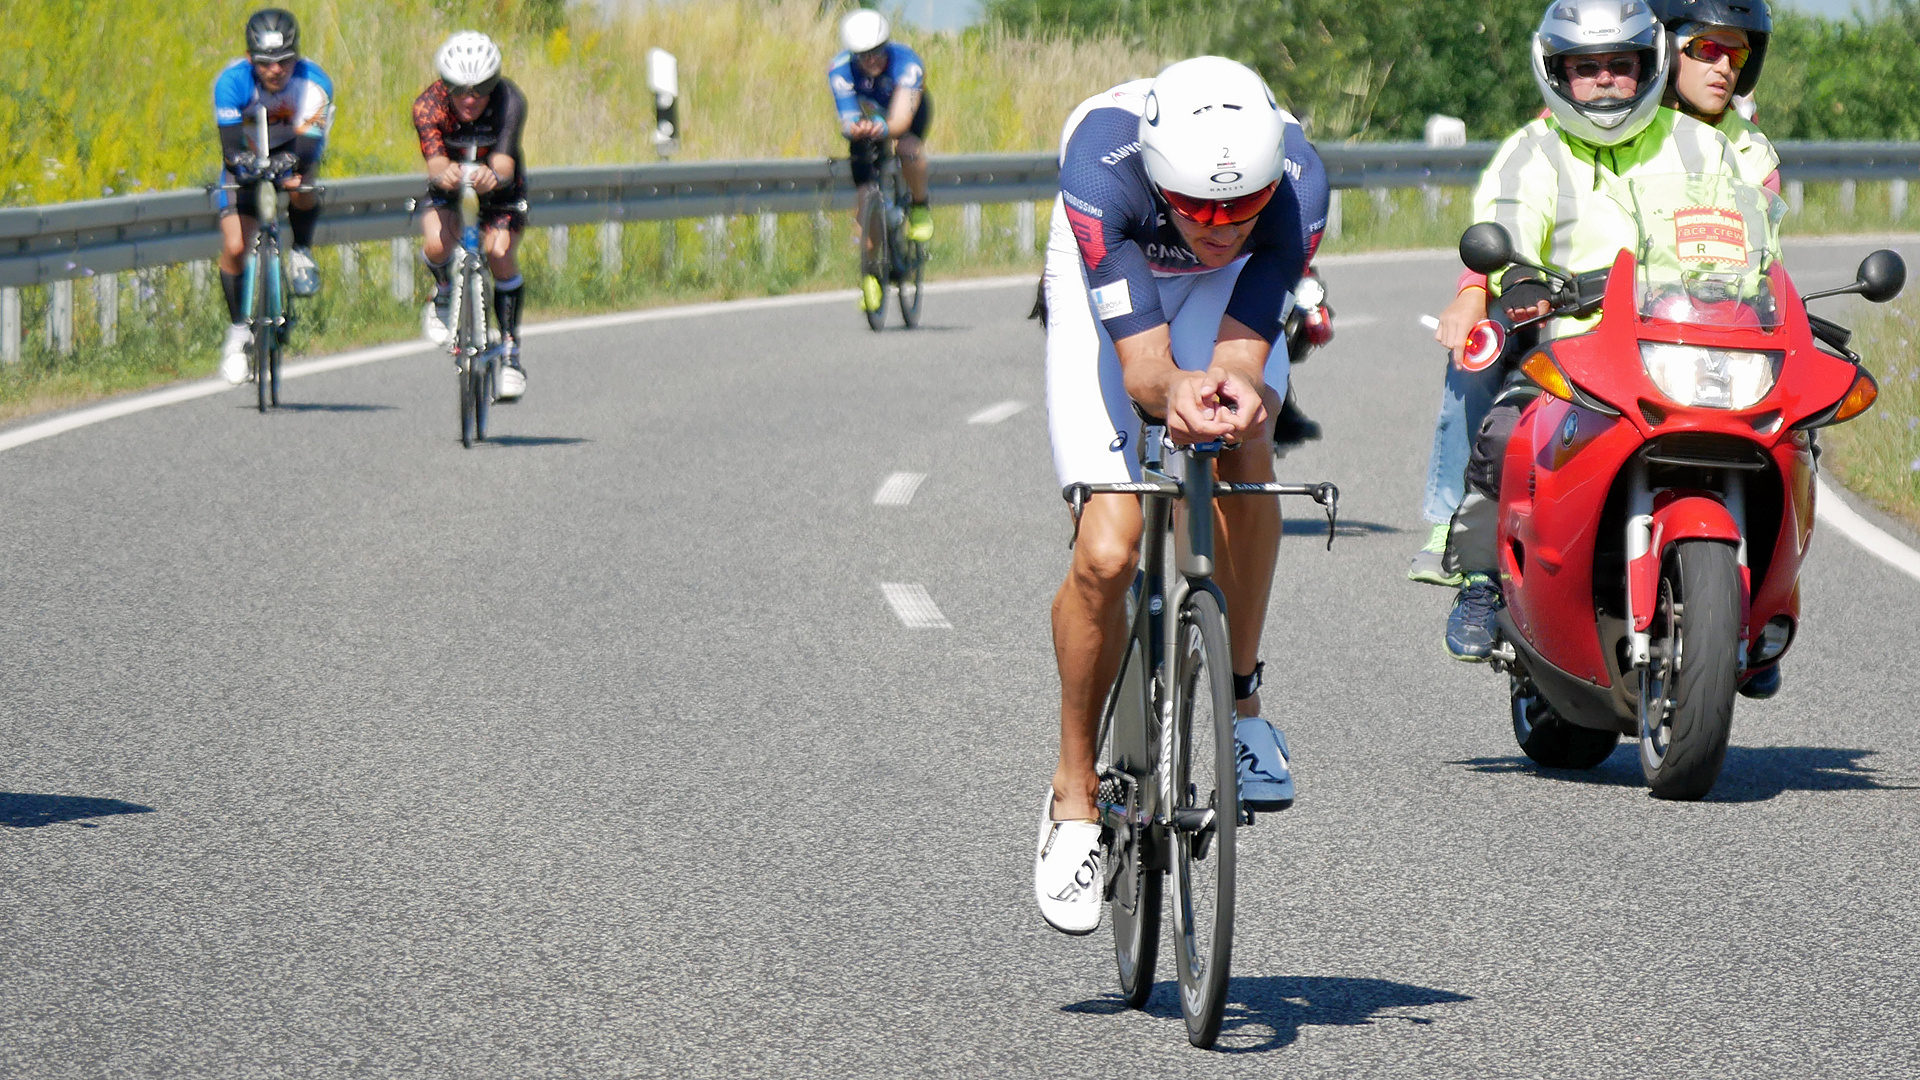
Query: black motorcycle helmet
1753	16
272	34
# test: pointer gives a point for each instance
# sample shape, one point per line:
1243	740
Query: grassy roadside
1878	454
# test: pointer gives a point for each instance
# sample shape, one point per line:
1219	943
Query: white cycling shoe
433	319
513	383
305	275
233	355
1068	873
1266	778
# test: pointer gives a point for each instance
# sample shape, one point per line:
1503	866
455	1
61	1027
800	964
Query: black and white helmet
1753	16
272	34
1584	27
468	59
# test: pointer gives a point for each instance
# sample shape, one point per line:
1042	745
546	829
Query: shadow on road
330	407
23	811
1751	774
1308	525
1266	1012
532	440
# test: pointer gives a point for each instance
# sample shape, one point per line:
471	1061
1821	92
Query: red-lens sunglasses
1214	213
1709	51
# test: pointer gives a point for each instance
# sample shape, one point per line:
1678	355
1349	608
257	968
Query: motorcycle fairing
1677	516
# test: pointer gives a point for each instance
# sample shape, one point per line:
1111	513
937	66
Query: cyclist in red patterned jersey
471	101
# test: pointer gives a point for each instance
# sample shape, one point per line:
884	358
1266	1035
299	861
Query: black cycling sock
506	305
1245	686
303	222
442	272
230	285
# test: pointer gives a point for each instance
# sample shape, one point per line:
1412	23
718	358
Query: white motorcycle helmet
1211	130
469	58
863	31
1574	28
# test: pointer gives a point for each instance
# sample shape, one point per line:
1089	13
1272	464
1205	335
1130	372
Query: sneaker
1429	564
1068	876
1761	684
1266	780
872	296
919	223
306	276
513	377
233	355
1475	623
433	318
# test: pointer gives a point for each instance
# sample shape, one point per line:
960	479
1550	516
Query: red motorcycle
1656	497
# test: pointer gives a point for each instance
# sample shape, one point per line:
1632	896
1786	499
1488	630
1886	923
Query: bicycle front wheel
913	261
874	256
260	327
1205	814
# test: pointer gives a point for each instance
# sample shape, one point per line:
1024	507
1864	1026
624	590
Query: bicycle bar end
1076	496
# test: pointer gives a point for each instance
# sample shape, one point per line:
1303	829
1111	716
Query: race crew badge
1710	234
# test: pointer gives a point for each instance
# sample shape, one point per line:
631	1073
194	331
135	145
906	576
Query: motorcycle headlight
1709	378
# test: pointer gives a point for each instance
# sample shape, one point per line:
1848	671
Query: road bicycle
474	340
890	254
1169	790
266	290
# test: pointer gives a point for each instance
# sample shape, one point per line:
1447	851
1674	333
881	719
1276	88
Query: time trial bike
266	288
887	252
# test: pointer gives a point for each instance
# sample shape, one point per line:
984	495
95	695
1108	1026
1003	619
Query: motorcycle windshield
1708	245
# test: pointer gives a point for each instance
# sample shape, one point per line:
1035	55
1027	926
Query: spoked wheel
482	398
273	367
260	343
1205	815
1126	786
1551	739
467	399
1687	689
911	266
873	230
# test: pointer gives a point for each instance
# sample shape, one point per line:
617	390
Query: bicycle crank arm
1193	819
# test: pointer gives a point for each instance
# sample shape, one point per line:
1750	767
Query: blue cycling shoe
1266	780
1475	622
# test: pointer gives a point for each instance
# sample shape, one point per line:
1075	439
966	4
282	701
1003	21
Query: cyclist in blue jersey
298	99
1176	242
879	89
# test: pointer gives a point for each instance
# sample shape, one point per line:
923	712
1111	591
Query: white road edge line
915	608
898	488
1828	508
173	395
993	414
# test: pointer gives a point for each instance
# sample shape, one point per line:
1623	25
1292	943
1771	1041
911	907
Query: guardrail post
1382	203
401	284
669	246
1333	214
716	242
1897	199
1023	226
197	277
557	248
9	325
106	304
1847	192
970	228
1796	196
769	240
1432	192
822	240
60	316
610	249
350	267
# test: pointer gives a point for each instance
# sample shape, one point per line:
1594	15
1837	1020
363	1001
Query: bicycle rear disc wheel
1126	747
873	262
914	265
1206	815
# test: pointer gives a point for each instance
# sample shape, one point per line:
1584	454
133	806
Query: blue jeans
1463	405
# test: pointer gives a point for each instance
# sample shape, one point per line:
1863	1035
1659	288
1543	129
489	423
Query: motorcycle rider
1602	67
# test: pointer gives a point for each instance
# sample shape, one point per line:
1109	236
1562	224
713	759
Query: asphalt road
334	749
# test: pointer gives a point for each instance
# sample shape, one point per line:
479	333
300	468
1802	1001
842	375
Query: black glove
1521	290
245	168
281	165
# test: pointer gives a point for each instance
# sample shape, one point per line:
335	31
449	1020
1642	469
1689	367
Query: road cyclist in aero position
472	105
297	98
879	90
1174	245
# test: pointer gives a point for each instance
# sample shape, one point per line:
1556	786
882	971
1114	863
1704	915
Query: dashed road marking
898	488
993	414
915	608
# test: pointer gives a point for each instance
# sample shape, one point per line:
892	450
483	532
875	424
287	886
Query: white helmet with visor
1213	139
469	60
863	31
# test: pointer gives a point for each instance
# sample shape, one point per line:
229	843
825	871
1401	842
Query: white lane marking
914	607
1345	322
1828	508
993	414
898	488
173	395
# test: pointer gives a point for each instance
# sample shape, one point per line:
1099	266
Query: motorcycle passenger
1292	426
298	98
1167	280
879	90
471	101
1602	67
1719	47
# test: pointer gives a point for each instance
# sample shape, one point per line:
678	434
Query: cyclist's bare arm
900	111
1224	400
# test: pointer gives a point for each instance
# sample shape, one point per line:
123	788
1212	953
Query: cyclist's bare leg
913	166
500	244
236	232
867	191
1089	632
1247	544
438	230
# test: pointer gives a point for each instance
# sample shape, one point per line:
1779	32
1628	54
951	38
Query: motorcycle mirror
1486	248
1882	275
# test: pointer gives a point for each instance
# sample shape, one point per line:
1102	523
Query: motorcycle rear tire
1551	740
1683	760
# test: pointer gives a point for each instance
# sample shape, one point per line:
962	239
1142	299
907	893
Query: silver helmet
1574	28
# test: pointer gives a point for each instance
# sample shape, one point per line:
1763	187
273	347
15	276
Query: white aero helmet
1211	131
1574	28
469	58
863	31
